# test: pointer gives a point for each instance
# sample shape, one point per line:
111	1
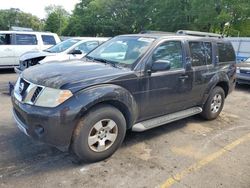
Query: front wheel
214	104
99	134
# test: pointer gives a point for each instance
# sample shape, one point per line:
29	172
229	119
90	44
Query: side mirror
75	52
161	65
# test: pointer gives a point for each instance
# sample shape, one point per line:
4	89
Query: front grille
36	94
26	91
23	85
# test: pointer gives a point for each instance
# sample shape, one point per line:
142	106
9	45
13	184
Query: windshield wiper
113	63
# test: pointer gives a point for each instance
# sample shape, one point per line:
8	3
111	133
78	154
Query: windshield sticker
143	39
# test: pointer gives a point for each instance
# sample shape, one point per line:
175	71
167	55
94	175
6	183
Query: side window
226	52
48	40
208	52
86	47
26	39
197	54
5	39
170	51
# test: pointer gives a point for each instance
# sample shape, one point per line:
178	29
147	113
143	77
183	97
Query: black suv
135	82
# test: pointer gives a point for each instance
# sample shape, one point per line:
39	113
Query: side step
156	122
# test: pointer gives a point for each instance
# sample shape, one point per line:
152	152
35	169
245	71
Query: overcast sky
36	7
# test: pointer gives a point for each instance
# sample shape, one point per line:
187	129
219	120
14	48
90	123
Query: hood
244	65
35	54
74	75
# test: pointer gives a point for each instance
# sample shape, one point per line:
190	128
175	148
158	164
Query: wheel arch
111	94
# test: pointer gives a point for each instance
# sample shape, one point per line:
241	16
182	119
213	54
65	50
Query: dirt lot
188	153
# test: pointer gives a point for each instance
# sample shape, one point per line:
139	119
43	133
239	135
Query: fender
217	78
109	93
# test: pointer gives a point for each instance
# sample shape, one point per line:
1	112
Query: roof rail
154	32
14	28
198	33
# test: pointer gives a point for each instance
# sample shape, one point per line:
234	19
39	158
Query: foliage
113	17
15	17
57	19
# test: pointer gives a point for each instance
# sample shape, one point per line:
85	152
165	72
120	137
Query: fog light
39	130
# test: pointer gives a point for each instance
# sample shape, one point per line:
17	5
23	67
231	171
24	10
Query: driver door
165	91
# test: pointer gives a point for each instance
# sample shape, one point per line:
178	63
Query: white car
70	49
14	43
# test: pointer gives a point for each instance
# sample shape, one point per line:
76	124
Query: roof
28	32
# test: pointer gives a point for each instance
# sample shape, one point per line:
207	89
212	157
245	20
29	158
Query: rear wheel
214	104
99	134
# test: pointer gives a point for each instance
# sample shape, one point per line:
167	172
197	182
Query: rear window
226	52
48	40
5	39
26	39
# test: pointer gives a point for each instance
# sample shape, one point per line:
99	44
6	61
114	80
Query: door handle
183	77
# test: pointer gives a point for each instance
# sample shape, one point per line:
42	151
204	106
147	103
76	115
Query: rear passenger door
202	67
24	43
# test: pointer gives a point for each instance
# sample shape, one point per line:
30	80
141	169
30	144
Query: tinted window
48	40
87	46
26	39
226	52
170	51
5	39
208	52
197	53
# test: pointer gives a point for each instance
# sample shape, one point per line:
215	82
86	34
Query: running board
155	122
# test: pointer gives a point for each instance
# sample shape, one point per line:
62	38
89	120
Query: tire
99	134
216	98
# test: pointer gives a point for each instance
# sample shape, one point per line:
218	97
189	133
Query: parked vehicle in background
14	43
73	48
243	72
135	82
241	46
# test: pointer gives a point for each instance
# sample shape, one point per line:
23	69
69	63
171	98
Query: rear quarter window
48	40
226	52
26	39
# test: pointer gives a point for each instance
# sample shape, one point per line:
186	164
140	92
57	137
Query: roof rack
198	34
154	32
14	28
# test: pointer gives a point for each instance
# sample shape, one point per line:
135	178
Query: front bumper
243	78
53	126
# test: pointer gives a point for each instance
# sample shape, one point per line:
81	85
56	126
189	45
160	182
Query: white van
14	43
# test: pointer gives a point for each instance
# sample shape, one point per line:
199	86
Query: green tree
57	19
15	17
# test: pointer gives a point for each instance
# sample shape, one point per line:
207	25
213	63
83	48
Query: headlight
50	97
237	70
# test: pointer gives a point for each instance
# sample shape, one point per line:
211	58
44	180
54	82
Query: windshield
122	51
62	46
